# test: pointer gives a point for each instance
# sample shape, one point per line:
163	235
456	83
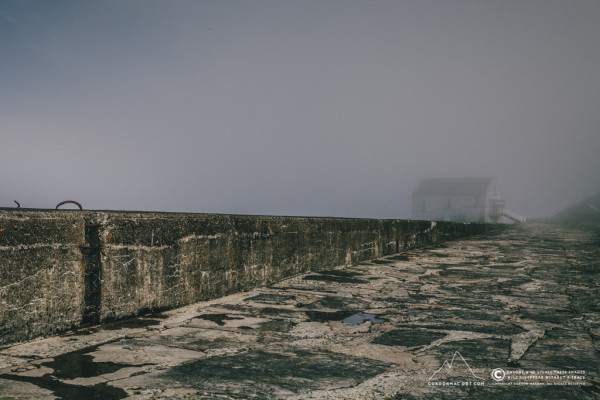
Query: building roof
477	186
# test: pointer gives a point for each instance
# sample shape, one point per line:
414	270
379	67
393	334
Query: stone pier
511	314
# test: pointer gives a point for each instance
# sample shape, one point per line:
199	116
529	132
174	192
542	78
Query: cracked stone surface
428	323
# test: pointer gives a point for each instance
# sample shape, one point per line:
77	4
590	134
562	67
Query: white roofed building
464	199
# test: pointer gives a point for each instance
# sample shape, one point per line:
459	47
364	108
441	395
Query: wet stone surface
271	298
219	319
80	365
407	337
361	318
276	373
431	323
331	277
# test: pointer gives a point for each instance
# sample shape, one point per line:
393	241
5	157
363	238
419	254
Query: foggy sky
325	108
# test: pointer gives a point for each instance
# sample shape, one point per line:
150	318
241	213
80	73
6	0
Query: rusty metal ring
68	201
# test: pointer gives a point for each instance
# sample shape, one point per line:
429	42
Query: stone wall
152	261
40	273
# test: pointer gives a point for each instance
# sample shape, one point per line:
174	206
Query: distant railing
513	216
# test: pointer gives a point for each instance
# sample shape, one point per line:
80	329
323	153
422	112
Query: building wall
452	207
493	193
461	207
153	261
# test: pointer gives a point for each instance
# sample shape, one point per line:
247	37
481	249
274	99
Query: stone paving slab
515	315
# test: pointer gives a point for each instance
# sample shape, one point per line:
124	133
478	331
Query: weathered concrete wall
153	261
40	273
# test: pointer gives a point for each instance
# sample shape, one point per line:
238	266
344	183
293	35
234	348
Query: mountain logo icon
454	366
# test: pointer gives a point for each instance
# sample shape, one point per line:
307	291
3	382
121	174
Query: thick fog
329	108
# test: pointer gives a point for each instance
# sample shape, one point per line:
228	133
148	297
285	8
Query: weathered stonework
40	273
152	261
508	315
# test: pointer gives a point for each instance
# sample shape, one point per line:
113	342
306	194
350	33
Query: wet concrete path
512	315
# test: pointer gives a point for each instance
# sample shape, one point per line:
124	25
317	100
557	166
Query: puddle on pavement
361	317
217	318
326	316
